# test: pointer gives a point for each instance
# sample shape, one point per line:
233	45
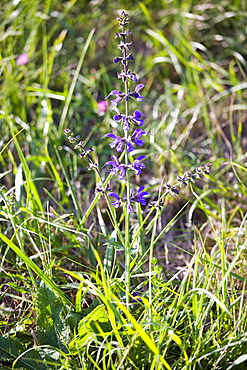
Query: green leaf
117	245
95	323
52	328
11	349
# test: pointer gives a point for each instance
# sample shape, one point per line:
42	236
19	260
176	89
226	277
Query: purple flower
139	196
138	298
117	142
22	59
129	75
136	94
117	202
119	96
117	166
117	59
121	34
136	137
137	117
137	165
129	208
126	125
124	45
128	57
130	147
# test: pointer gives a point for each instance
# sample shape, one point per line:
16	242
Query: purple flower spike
117	202
137	165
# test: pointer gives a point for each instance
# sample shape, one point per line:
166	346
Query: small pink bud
102	107
22	59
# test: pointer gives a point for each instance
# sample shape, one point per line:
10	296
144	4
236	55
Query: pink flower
22	59
102	107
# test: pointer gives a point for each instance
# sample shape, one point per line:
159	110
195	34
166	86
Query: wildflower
22	59
80	145
172	190
85	152
182	180
117	166
139	196
102	107
136	137
192	176
122	59
122	34
136	94
120	95
129	75
136	298
117	202
207	168
117	142
137	117
100	189
129	208
137	165
125	119
124	45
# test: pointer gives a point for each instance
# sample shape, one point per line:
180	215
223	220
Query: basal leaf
52	328
11	349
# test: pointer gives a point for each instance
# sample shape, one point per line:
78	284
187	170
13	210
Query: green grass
62	246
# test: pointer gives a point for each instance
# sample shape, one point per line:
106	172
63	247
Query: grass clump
130	255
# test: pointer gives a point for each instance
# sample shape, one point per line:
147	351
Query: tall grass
63	291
